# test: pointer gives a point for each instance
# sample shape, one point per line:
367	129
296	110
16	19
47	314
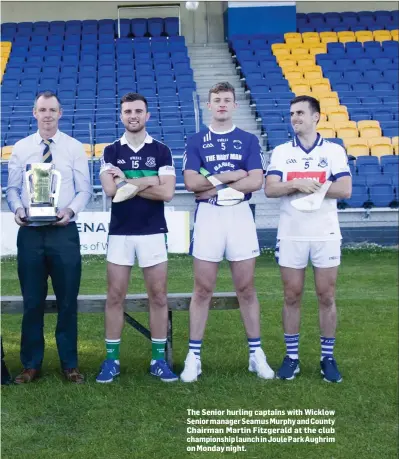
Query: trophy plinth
43	183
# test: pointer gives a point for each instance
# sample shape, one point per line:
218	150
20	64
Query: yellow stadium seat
288	66
300	89
336	109
281	52
326	132
395	141
299	52
307	35
350	141
347	132
319	49
87	148
338	117
325	124
5	45
364	38
6	152
346	33
327	34
368	123
364	33
294	35
321	81
346	38
396	149
381	35
312	41
313	74
99	148
381	150
276	46
357	150
371	141
294	39
370	132
306	61
329	39
294	74
323	116
342	124
395	34
328	102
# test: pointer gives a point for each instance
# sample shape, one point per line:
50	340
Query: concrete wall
202	26
324	7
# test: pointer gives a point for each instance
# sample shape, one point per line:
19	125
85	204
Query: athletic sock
327	347
194	345
253	343
292	344
113	347
158	348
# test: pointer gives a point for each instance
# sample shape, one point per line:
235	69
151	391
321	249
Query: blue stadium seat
378	179
359	196
171	26
124	27
381	195
336	49
139	27
73	27
155	27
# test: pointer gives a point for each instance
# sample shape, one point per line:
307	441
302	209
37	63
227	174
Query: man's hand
306	185
65	216
116	172
206	194
20	217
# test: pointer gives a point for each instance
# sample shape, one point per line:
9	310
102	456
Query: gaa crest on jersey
150	162
323	162
237	144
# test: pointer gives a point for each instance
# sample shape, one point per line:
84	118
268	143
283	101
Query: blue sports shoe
330	370
161	370
289	369
109	370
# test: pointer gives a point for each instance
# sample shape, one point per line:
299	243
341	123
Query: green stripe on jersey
139	174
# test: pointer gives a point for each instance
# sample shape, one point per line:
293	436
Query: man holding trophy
48	185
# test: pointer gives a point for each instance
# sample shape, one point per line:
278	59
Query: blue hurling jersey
218	153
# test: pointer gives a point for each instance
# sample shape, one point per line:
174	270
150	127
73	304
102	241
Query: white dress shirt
68	157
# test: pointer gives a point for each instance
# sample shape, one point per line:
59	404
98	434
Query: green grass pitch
139	417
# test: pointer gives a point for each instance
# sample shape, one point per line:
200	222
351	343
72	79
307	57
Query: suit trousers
45	251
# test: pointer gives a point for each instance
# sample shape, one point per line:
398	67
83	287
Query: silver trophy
43	183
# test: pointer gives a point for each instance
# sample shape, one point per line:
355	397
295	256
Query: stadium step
212	64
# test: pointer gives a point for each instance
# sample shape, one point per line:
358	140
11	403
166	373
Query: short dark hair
224	86
46	95
132	97
313	103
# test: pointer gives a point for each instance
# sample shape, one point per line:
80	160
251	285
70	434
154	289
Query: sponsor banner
93	232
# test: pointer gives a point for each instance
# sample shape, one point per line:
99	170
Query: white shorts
296	254
149	249
224	231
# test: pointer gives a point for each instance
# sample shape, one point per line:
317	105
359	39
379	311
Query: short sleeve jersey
223	152
323	161
138	216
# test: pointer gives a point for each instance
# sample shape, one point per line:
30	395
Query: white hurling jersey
323	161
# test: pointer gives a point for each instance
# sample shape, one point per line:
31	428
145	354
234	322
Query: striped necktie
47	158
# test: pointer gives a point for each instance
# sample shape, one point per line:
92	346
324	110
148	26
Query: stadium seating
89	68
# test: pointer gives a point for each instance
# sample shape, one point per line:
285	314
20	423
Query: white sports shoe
258	364
192	368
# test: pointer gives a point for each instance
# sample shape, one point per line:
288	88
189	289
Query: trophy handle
57	187
28	175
